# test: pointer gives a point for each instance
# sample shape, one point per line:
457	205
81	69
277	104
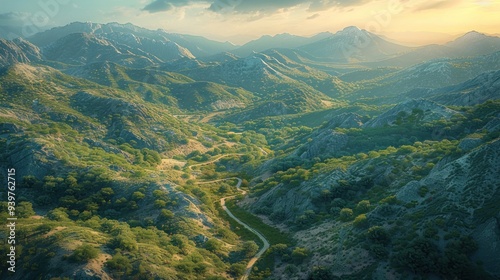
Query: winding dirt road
264	248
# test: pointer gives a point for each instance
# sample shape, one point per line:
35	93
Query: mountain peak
350	30
471	36
281	35
476	39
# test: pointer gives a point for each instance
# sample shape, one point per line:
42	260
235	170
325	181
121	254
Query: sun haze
414	22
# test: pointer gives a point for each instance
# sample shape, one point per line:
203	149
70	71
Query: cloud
166	5
313	16
265	7
11	24
12	18
436	5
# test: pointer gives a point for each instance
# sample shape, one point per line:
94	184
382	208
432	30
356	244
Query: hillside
144	154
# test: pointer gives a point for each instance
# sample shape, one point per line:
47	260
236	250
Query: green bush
360	221
346	214
237	269
378	234
120	264
299	254
84	253
363	206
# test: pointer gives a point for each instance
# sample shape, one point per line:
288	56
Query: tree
107	192
346	214
84	253
120	264
250	248
25	209
279	249
237	269
213	245
420	257
378	234
138	196
363	206
321	273
360	221
299	254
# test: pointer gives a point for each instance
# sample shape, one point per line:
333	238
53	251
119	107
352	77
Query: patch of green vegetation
273	235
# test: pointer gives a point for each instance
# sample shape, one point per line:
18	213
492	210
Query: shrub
363	206
250	248
299	254
321	273
237	269
84	253
346	214
360	221
213	245
120	264
378	234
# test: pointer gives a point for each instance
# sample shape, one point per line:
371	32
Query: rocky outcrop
32	159
290	202
468	144
346	120
493	125
424	110
123	119
226	104
98	106
327	142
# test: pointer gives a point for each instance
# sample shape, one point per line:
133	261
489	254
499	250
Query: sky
412	22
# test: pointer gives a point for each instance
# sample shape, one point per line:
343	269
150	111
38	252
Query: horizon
410	22
445	38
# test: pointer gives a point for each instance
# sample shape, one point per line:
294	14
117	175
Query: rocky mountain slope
353	44
124	141
18	51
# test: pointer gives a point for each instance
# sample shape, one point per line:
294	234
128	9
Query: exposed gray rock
468	144
87	274
291	202
325	143
493	125
31	159
226	104
8	128
346	120
428	110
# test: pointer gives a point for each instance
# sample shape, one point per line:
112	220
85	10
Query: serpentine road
259	254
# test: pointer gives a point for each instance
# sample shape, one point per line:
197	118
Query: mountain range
350	156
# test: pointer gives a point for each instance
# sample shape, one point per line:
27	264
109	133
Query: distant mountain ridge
353	44
284	40
197	45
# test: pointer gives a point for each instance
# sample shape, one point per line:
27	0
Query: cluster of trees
422	256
